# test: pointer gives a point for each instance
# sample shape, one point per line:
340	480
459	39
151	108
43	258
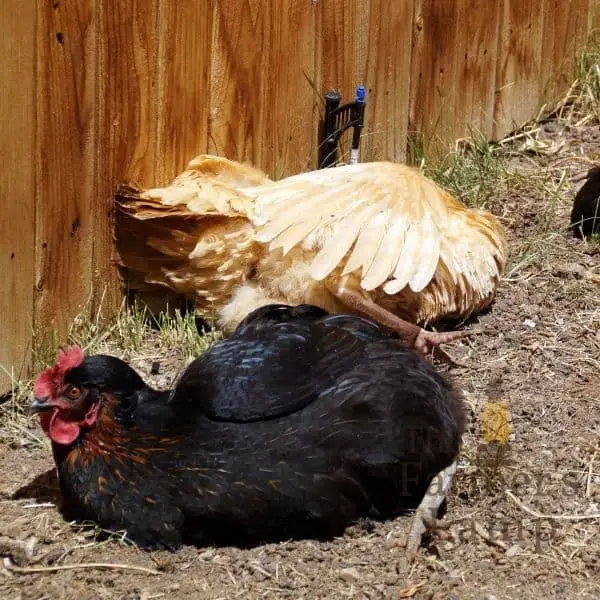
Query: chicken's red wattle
66	431
62	431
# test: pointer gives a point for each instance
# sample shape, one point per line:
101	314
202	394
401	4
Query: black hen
295	426
585	215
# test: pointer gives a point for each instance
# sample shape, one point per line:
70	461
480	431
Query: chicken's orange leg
423	341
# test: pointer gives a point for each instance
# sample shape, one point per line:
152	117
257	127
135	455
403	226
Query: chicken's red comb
48	381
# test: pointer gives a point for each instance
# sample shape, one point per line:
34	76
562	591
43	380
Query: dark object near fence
585	216
337	120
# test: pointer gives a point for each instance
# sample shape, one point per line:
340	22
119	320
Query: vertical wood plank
241	45
553	42
476	52
127	121
261	100
593	25
518	72
66	44
433	73
387	80
17	187
183	85
579	23
128	54
578	33
565	33
342	41
289	102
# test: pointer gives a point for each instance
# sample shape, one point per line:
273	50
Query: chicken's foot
425	518
414	336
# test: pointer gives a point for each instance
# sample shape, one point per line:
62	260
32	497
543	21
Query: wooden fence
98	91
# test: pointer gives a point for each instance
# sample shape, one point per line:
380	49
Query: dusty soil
523	516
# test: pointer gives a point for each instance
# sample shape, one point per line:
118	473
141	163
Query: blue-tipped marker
337	120
361	93
359	108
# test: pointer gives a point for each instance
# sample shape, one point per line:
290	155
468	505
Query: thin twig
261	570
539	515
81	547
481	532
9	566
231	576
588	485
517	136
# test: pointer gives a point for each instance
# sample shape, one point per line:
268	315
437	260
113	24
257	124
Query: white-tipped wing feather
385	219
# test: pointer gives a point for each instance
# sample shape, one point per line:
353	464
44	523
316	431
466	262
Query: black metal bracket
339	119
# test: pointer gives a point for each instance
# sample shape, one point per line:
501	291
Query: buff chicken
295	426
376	239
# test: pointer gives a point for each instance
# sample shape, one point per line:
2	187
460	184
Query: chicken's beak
39	405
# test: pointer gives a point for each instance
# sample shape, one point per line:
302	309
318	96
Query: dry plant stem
425	517
588	484
481	532
539	515
123	567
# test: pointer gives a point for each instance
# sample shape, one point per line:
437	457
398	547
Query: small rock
551	127
514	550
570	269
529	323
490	597
350	574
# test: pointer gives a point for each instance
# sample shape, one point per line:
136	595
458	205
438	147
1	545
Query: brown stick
10	567
481	532
539	515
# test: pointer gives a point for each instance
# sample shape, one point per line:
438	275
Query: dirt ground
523	516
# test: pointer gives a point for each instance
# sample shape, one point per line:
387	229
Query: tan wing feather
340	242
368	242
415	227
389	250
406	264
429	255
294	233
315	208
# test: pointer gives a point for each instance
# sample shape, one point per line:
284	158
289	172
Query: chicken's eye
73	392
